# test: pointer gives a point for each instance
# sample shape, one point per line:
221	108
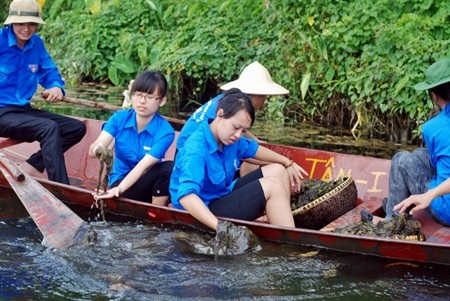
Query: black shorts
155	182
247	200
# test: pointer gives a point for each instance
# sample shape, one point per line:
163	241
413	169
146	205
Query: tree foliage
347	63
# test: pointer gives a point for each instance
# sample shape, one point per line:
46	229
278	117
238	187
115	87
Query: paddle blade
55	220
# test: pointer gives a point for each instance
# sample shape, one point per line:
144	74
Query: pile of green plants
347	63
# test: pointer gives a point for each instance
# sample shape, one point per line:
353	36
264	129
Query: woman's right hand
296	174
420	202
111	193
98	149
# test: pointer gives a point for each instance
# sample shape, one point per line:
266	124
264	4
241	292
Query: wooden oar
58	224
91	104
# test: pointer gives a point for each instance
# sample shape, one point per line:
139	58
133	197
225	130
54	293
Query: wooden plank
58	224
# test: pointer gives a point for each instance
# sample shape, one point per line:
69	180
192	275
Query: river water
142	261
135	261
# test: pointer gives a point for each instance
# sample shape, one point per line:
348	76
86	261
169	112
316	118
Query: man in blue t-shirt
419	178
25	63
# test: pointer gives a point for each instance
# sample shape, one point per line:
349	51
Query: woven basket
327	208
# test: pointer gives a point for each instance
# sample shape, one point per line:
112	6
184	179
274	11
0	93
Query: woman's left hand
296	174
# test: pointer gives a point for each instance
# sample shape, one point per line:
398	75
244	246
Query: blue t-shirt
436	136
202	114
130	147
202	168
22	69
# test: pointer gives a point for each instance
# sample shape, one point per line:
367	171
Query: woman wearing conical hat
203	179
256	82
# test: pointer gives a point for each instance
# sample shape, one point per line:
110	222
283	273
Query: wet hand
98	150
113	192
231	239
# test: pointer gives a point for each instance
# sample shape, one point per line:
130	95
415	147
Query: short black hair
149	81
443	91
233	101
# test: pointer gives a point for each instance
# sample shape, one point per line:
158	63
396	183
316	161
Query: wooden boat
369	174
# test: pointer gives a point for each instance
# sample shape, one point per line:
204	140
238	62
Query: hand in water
231	239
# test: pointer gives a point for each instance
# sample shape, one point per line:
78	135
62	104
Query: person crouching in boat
142	137
203	181
256	82
421	178
25	63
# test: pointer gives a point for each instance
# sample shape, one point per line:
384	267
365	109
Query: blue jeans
410	174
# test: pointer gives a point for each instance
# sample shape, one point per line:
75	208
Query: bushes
346	63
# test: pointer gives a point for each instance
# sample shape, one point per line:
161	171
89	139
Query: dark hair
443	91
233	101
149	81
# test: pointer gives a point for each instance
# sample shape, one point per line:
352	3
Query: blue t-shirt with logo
130	146
202	114
22	69
205	169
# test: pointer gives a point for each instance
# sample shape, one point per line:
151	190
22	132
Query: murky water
313	136
134	261
141	261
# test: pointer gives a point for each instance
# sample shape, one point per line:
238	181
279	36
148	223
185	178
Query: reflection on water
134	261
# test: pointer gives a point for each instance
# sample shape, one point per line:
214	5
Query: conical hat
256	80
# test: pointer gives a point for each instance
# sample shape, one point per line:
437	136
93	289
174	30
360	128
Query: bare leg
278	207
247	168
278	171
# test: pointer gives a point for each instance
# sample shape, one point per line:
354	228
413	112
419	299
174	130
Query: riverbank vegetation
347	63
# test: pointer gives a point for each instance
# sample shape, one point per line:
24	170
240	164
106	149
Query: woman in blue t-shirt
142	137
256	82
421	178
203	180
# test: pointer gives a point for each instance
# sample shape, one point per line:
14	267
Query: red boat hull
370	175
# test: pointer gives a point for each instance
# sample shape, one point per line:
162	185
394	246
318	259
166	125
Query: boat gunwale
347	240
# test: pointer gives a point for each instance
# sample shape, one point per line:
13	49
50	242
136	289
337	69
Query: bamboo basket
322	211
